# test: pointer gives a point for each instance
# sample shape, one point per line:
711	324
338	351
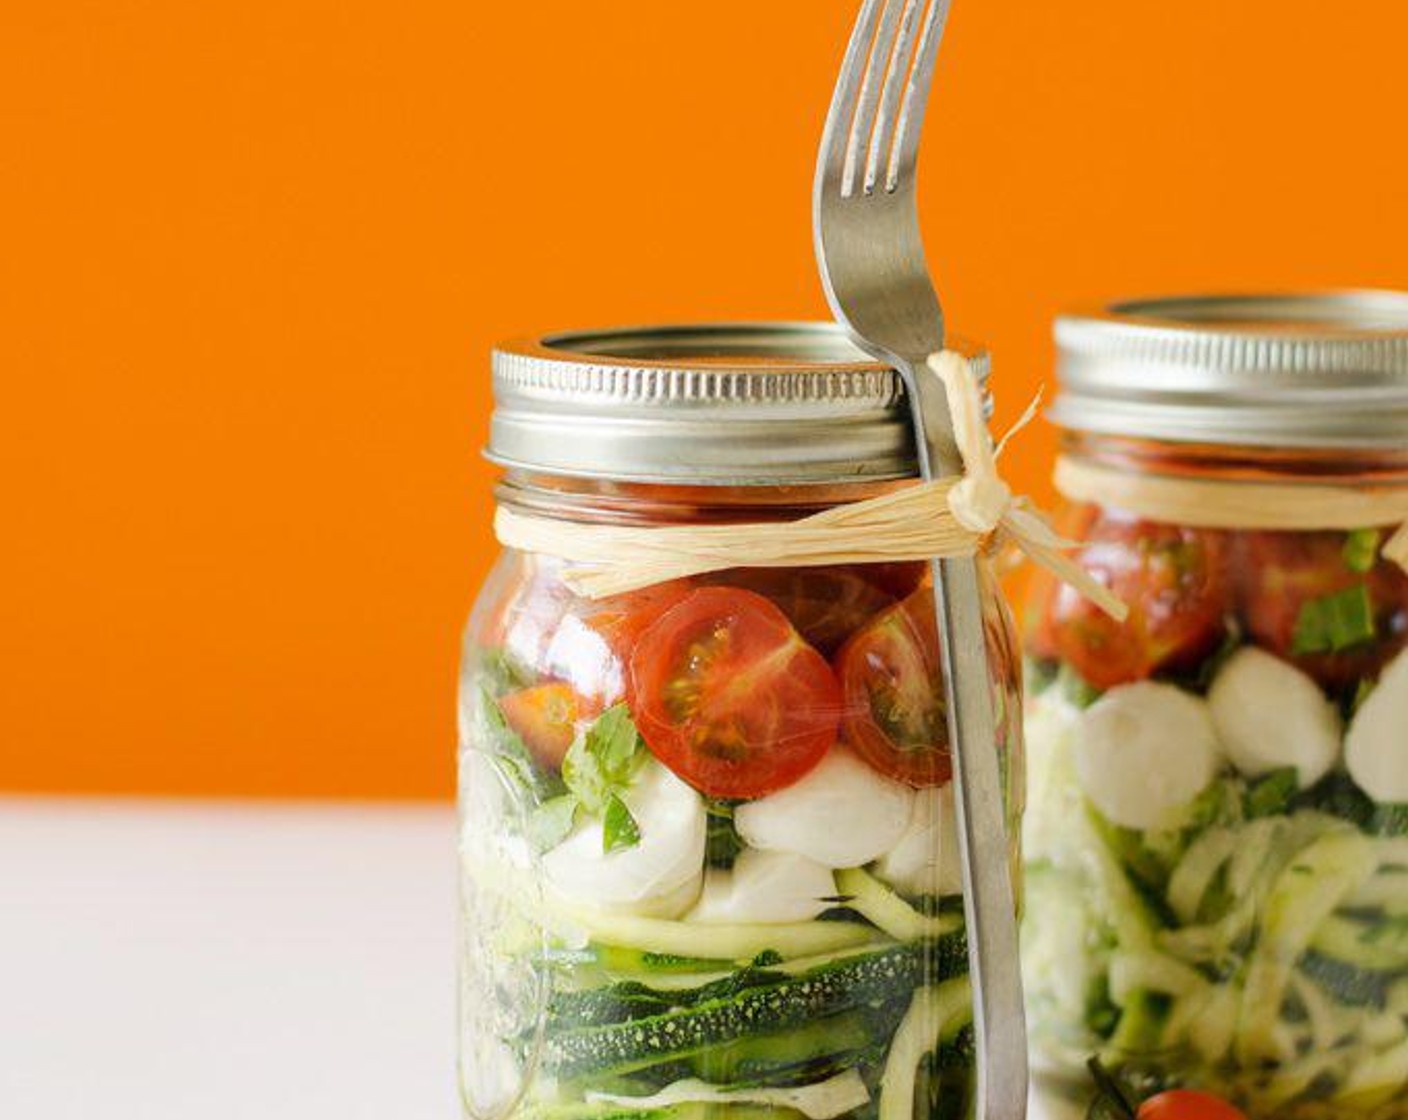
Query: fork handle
989	902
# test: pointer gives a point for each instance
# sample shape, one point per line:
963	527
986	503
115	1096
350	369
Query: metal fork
871	255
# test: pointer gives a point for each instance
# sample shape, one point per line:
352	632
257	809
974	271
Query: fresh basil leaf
1311	632
582	773
613	739
550	822
1361	550
1334	623
1352	619
601	762
618	828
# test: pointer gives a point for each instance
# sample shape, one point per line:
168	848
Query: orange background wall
254	255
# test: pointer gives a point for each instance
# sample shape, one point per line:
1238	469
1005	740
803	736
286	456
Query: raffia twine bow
946	518
1208	503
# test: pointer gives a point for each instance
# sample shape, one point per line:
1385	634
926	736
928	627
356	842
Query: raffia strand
944	519
1215	503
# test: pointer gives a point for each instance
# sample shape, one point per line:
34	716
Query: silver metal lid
727	404
1325	369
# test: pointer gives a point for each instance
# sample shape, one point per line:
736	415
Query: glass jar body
1215	847
708	859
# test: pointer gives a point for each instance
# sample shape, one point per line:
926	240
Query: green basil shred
1361	550
1334	623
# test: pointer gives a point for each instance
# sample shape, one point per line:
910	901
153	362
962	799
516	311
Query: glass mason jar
1217	843
709	866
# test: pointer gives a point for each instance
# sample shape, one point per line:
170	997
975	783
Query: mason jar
1217	842
708	853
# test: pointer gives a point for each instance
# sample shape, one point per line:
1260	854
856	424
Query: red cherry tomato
727	694
893	687
1188	1104
827	605
1279	572
545	718
1173	579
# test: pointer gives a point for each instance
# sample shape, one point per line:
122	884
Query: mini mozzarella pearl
766	887
841	814
661	876
925	861
1144	751
1270	715
580	656
1376	748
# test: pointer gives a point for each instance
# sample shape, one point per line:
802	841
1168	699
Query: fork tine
843	101
872	83
905	149
899	64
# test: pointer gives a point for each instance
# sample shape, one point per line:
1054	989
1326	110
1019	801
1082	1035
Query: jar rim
721	404
1325	369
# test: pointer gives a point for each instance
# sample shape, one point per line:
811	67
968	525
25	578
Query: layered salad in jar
709	864
1217	832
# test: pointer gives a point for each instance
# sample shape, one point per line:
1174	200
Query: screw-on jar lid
755	404
1326	370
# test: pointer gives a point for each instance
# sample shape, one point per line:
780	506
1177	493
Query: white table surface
259	962
174	961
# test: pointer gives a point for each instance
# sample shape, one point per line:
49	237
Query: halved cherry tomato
894	691
729	696
1188	1104
826	605
1279	572
1173	579
545	718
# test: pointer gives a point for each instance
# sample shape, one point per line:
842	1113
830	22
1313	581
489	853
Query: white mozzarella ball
766	887
1053	792
1270	715
841	814
580	656
1376	749
1144	751
660	876
926	861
